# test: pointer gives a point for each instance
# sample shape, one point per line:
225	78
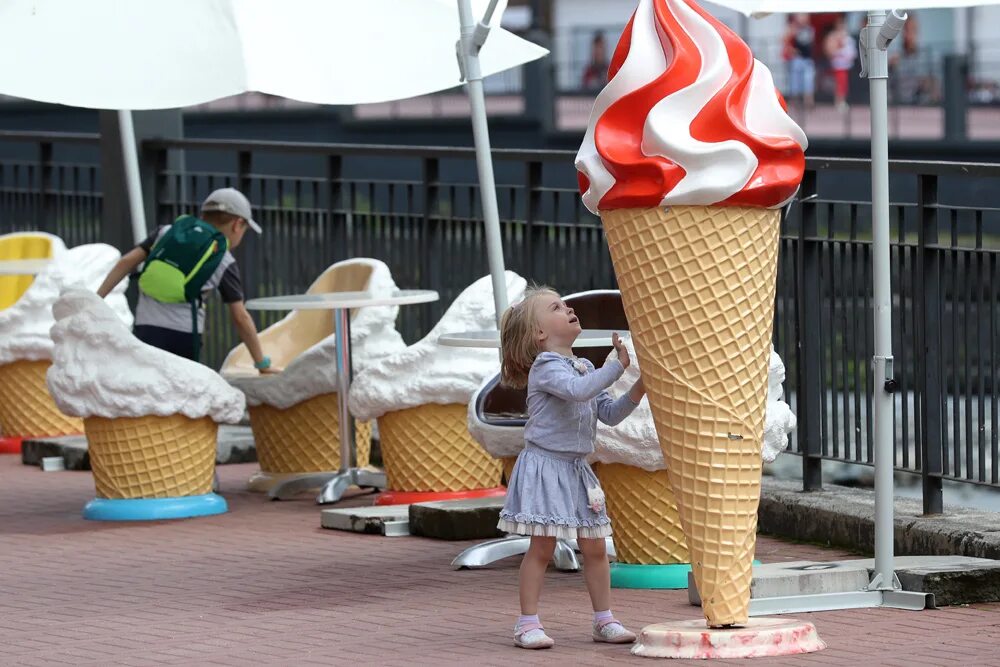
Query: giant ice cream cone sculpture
151	418
688	157
26	408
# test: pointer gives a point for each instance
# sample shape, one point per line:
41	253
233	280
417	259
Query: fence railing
417	209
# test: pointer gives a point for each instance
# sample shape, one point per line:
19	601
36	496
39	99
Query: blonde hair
518	343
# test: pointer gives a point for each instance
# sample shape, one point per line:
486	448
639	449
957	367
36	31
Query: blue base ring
154	509
652	577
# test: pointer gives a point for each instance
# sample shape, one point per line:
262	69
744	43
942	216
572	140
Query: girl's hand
622	352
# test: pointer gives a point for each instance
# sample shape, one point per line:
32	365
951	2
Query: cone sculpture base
428	448
154	509
304	438
758	638
11	445
26	408
413	497
650	577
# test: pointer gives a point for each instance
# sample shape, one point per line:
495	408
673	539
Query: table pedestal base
483	554
332	485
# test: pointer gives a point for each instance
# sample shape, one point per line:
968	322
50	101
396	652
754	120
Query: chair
419	396
296	424
26	408
24	245
152	444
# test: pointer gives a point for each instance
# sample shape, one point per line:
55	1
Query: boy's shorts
180	343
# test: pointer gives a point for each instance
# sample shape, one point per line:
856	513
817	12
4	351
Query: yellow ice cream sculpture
26	408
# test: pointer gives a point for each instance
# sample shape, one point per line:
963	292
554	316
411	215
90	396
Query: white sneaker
612	632
532	635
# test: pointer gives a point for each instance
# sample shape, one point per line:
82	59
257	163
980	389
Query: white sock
523	620
601	616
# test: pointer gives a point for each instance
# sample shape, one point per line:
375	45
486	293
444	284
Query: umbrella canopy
752	7
116	54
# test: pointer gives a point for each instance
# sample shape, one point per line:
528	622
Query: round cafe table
22	267
491	551
333	485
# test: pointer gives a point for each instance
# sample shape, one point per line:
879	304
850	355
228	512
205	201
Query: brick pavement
264	584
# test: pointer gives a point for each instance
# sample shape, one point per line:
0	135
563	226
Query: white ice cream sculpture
294	413
419	398
151	418
26	408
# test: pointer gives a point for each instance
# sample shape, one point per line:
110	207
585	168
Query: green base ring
652	577
673	576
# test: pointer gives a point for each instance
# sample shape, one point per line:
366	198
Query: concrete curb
844	517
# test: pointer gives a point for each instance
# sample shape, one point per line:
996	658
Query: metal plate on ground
388	520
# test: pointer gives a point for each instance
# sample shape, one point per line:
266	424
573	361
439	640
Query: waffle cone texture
304	437
698	288
428	448
642	509
26	408
152	457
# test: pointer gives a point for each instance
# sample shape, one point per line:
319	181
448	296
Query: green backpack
181	262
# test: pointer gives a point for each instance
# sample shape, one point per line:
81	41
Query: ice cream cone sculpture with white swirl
688	158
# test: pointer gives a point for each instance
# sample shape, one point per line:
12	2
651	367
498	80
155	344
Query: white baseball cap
232	201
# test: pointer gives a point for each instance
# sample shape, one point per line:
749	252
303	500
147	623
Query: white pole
133	185
468	55
880	32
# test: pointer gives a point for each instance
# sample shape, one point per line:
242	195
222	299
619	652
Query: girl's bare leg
533	567
596	571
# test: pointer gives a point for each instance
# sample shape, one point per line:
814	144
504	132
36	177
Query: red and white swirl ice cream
688	159
689	117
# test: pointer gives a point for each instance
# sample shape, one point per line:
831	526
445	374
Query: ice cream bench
294	413
151	418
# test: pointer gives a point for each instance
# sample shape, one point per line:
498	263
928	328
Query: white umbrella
117	54
875	39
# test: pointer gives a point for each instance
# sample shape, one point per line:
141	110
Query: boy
168	326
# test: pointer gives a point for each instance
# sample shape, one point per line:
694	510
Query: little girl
552	492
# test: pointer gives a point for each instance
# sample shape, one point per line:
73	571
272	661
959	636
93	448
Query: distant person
841	52
908	71
799	41
187	261
595	74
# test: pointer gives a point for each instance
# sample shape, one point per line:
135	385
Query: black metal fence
417	209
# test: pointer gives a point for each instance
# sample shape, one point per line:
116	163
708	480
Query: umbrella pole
133	184
473	36
880	32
